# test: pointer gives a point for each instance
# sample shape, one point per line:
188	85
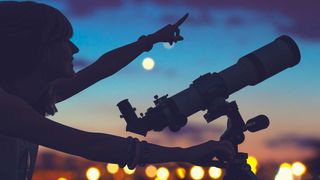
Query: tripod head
238	169
235	125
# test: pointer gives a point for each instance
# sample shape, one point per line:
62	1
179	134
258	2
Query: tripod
237	169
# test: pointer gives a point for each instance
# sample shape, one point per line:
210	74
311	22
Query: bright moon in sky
148	63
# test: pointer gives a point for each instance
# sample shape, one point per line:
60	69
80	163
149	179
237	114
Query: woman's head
33	36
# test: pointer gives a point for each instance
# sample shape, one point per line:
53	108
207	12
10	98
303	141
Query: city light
151	171
163	173
284	172
62	178
285	165
298	169
93	173
197	172
181	172
148	63
128	171
112	168
253	162
215	172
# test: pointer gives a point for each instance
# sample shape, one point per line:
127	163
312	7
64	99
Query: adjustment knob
257	123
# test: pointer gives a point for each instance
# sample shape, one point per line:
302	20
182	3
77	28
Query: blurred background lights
112	168
148	63
253	162
93	173
284	172
163	173
151	171
181	172
215	172
62	178
168	46
197	172
285	165
128	171
298	169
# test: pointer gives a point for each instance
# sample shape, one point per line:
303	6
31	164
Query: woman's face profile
60	57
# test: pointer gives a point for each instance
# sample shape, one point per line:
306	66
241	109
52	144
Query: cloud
303	14
299	141
83	7
200	19
234	21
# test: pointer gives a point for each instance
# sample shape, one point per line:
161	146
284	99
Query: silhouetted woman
36	72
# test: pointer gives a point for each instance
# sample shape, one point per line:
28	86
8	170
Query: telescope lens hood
293	47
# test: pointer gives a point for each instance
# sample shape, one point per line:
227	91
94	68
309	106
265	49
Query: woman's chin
69	73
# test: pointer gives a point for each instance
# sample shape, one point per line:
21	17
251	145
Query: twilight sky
217	34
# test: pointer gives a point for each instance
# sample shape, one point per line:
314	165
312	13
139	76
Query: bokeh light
298	169
253	162
181	172
284	172
197	172
62	178
215	172
93	173
112	168
285	165
151	171
148	63
163	173
128	171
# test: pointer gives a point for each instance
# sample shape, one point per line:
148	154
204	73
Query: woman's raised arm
111	62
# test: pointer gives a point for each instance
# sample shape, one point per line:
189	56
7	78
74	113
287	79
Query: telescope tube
261	64
280	54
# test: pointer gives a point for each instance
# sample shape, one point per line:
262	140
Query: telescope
209	91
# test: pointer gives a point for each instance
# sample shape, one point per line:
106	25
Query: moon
148	63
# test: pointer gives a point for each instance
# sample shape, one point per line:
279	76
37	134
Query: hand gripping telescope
210	90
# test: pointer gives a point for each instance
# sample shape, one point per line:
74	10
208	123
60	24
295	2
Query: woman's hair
26	29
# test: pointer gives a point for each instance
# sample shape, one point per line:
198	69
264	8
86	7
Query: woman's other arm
19	120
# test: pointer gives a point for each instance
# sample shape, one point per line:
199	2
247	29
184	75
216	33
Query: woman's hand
204	154
169	33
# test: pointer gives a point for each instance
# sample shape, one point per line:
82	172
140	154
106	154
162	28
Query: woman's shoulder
8	99
4	96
